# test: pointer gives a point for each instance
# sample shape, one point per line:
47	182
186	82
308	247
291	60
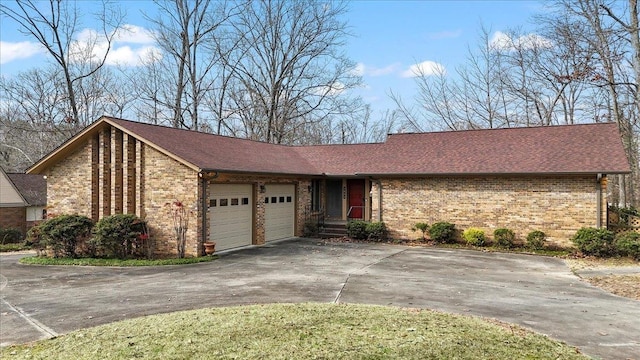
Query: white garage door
279	211
231	215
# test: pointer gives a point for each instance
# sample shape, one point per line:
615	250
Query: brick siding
559	206
14	218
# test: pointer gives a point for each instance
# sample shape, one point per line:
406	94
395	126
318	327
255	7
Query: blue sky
389	37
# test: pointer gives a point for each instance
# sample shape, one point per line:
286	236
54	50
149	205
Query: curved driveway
536	292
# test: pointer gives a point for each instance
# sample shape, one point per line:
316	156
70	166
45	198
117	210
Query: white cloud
366	70
502	41
134	34
10	51
140	47
424	68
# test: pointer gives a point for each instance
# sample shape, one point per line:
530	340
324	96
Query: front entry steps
333	230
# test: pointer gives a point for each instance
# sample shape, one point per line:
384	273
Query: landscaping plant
596	242
442	232
628	244
377	231
423	227
474	236
65	235
357	229
119	236
536	240
504	237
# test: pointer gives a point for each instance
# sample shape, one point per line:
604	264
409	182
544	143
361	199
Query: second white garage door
279	211
231	215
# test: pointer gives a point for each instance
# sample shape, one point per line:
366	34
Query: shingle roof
566	149
33	188
586	148
222	153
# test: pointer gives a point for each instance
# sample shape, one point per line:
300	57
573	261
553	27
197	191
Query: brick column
95	177
117	181
105	173
131	173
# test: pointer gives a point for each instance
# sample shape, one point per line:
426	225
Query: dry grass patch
621	285
300	331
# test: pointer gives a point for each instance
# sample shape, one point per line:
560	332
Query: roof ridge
505	128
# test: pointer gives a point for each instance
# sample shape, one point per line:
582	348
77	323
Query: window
274	199
266	200
288	199
245	201
315	195
213	202
224	202
281	199
234	201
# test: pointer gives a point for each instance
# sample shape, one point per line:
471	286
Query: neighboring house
244	192
23	199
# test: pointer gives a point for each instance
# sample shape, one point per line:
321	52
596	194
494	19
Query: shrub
377	231
596	242
536	240
357	229
119	236
65	234
442	232
34	238
10	236
423	227
474	236
310	229
504	237
628	244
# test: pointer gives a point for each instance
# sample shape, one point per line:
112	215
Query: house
244	192
23	199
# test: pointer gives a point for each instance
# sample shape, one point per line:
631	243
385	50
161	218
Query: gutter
205	176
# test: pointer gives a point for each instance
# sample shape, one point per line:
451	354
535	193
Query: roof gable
9	194
33	188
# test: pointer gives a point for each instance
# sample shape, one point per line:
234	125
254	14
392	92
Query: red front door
355	188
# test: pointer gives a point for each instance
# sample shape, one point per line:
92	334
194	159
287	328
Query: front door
355	188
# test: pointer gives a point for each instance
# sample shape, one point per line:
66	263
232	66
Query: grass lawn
301	331
36	260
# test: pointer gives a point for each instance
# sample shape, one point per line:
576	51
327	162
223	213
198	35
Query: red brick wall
14	217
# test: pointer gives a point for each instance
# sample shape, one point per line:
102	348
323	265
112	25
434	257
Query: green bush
34	238
474	236
377	231
10	236
119	236
357	229
596	242
423	227
536	240
65	235
628	244
442	232
504	237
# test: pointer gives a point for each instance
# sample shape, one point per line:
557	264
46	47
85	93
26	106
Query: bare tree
57	29
288	66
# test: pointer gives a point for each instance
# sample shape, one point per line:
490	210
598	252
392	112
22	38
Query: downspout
599	201
204	179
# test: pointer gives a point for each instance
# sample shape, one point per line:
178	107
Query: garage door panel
231	215
279	211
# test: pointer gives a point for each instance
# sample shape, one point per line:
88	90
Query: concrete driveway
536	292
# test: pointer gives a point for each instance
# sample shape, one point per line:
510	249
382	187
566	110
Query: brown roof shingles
567	149
33	188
